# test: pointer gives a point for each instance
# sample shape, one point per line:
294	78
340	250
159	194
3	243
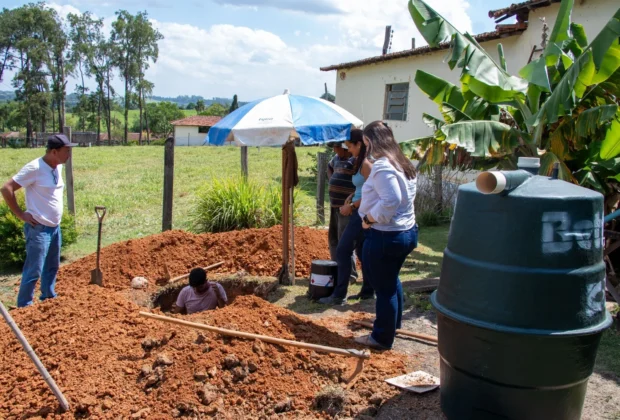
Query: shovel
96	276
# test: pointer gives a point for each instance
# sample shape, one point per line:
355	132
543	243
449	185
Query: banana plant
563	106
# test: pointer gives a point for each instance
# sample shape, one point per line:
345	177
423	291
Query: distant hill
6	95
181	100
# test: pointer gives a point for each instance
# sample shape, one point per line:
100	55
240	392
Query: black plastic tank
323	277
521	299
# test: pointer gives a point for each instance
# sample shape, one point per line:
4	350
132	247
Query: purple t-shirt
194	302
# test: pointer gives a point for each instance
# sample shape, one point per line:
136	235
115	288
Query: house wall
362	92
186	134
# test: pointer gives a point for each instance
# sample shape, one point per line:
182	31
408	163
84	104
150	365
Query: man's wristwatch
368	222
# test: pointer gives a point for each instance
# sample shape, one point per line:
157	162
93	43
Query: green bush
159	142
234	203
430	218
13	243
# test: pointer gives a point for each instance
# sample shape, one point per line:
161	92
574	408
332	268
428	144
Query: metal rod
30	352
265	338
430	338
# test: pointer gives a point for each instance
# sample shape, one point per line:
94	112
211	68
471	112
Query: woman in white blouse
390	229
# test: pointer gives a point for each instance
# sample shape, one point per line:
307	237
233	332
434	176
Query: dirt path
602	398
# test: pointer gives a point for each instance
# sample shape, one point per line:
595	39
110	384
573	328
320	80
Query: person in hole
200	295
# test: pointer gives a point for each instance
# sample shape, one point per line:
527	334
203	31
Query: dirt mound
255	251
110	362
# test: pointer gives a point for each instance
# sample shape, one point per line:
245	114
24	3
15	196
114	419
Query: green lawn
129	182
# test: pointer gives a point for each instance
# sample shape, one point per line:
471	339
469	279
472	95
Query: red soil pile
112	363
256	251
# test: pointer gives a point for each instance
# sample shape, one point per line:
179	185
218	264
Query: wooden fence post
69	176
320	186
284	275
166	223
244	161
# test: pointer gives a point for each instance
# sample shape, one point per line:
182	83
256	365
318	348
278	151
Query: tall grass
234	203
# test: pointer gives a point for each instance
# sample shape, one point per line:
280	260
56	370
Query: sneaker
332	300
359	296
368	341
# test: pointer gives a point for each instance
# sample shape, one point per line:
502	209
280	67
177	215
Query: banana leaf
480	73
481	138
611	144
600	60
439	90
591	120
561	28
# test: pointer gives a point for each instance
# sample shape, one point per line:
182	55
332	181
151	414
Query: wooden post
244	161
284	277
320	187
69	176
166	223
292	198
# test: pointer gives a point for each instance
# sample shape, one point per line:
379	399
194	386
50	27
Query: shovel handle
98	209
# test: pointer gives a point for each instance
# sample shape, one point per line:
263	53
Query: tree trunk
62	94
28	125
146	120
126	105
53	117
140	106
109	111
99	103
438	188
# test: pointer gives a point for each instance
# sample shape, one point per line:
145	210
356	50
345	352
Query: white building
383	87
192	131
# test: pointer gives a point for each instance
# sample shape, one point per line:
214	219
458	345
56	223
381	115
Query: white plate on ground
419	382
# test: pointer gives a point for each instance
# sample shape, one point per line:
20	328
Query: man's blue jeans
42	261
383	256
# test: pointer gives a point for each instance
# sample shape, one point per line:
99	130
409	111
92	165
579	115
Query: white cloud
318	7
365	22
227	59
224	59
64	10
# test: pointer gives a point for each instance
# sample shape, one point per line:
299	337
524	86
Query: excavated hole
238	285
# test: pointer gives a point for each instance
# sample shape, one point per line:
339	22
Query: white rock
139	282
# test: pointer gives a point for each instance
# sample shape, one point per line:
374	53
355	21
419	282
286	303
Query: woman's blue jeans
42	261
384	254
352	239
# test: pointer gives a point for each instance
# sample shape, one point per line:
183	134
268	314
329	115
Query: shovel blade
96	277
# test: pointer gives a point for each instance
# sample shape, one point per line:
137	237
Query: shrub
234	203
158	142
13	243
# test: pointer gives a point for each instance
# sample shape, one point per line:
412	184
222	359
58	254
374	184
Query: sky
258	48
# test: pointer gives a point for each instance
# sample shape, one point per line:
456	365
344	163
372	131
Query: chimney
388	38
413	43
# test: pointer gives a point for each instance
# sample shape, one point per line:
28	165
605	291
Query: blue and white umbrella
272	121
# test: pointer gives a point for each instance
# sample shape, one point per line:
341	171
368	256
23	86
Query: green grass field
129	182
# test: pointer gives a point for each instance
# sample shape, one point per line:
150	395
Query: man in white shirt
44	187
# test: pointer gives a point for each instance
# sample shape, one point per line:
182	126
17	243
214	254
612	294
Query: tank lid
528	162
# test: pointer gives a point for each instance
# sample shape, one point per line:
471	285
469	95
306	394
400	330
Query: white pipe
491	182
